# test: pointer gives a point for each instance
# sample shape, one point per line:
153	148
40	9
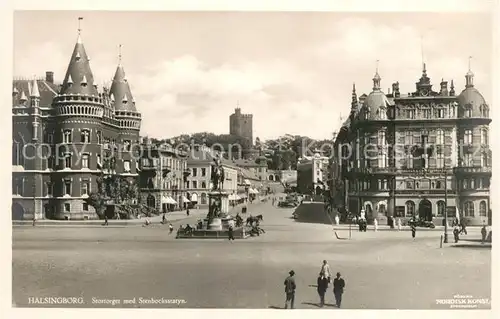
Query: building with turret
241	125
67	136
425	154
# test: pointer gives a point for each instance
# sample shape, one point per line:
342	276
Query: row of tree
281	153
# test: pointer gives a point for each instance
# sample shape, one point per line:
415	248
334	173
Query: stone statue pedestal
219	207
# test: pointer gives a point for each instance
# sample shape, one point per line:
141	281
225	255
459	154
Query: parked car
287	204
421	223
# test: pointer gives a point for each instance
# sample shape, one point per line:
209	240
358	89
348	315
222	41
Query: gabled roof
79	73
247	174
46	90
120	89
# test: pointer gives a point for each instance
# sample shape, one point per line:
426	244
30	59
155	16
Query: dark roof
248	163
79	72
120	91
47	91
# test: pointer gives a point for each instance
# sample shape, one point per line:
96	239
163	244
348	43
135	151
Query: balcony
472	170
373	170
424	171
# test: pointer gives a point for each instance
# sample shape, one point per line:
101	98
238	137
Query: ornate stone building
417	154
78	133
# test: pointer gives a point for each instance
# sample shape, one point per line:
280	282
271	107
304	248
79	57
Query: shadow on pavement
275	307
473	246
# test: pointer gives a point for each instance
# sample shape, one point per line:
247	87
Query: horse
254	219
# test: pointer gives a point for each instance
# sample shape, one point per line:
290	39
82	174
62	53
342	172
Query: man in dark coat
322	287
338	289
290	289
230	233
413	230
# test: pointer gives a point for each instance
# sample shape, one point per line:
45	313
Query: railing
477	169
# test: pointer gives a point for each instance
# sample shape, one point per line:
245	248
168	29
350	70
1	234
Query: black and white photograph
253	159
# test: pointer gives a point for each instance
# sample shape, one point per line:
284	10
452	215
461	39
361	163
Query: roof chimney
49	76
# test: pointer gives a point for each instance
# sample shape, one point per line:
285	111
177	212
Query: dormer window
84	81
70	80
382	113
125	100
78	57
468	111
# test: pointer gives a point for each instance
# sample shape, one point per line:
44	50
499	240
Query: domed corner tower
129	122
78	112
473	173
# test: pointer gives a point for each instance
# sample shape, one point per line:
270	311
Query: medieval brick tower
241	125
66	136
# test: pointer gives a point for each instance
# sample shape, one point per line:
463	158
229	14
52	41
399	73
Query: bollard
441	243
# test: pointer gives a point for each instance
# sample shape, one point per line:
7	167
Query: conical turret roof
120	89
35	92
79	78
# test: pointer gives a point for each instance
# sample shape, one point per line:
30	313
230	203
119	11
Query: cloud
300	90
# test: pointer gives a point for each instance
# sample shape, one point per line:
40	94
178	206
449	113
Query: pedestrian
325	270
463	226
338	289
34	219
170	228
413	230
230	233
456	233
105	220
322	288
375	224
483	234
163	219
290	289
399	224
187	211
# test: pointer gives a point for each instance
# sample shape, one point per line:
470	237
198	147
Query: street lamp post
445	237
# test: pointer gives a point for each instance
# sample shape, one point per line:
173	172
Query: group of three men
323	281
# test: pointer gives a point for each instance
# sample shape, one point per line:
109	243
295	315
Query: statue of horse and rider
217	175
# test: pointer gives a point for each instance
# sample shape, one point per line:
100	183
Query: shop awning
194	197
246	182
167	200
234	197
185	200
253	191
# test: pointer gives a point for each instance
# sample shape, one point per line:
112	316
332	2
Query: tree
98	199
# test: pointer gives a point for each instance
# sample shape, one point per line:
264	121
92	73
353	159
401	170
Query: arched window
151	201
484	136
469	209
441	208
482	209
382	209
410	208
271	177
203	198
203	185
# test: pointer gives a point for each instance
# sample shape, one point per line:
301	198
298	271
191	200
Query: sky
293	71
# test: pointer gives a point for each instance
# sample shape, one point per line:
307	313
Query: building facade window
382	159
67	207
195	184
203	171
67	161
440	113
468	137
85	207
439	158
381	138
408	138
469	209
484	136
467	160
67	138
126	166
195	172
85	136
127	145
410	208
99	137
468	112
382	113
441	208
67	188
409	161
440	137
85	161
50	189
484	160
482	208
203	185
50	138
85	188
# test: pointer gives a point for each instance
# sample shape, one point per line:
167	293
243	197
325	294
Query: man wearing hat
338	289
290	289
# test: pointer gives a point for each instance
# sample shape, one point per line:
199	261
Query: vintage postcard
252	159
